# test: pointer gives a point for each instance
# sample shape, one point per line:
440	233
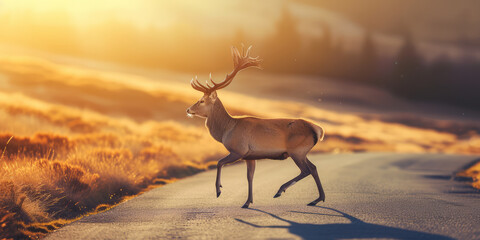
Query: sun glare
88	12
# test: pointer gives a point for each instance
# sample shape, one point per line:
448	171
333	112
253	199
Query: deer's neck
219	122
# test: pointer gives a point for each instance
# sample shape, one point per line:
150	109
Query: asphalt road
399	196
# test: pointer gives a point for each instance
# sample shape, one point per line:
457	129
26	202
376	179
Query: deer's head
204	106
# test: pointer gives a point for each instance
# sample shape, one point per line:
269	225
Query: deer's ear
213	95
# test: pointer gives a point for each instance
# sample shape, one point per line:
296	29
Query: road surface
369	195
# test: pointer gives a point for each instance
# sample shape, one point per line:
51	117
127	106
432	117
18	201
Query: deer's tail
318	133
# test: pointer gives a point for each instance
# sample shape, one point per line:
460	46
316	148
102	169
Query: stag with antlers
252	138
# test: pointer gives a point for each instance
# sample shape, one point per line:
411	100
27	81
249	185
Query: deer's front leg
250	172
232	157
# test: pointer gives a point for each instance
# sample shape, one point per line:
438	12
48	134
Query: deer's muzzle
190	113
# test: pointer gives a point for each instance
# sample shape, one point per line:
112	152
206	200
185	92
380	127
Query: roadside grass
472	172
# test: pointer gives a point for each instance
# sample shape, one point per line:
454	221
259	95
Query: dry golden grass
52	172
84	140
50	177
474	173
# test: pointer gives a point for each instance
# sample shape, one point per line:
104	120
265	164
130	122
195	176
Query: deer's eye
202	101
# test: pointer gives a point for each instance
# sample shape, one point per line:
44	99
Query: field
75	141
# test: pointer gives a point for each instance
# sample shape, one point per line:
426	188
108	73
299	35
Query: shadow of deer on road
355	229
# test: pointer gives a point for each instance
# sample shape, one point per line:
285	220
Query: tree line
286	50
407	74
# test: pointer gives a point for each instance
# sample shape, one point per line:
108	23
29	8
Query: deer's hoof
279	193
218	193
317	201
246	204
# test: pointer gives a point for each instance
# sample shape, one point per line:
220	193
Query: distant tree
454	83
439	78
319	54
465	82
282	49
408	72
368	71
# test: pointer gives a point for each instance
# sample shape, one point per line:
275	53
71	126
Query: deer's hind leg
305	171
314	172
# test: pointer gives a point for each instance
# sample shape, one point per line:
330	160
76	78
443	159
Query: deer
253	138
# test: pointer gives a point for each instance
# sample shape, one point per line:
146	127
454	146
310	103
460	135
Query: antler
240	62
